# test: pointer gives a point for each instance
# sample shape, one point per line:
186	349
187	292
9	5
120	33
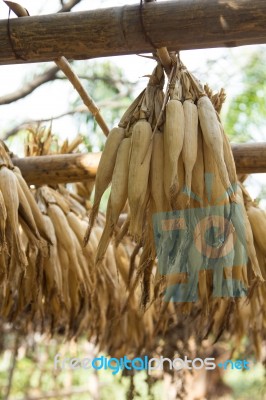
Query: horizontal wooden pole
177	25
62	168
250	158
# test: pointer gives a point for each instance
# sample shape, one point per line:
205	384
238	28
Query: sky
53	98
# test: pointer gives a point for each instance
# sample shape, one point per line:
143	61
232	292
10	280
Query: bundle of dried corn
48	278
79	298
45	272
57	289
170	160
23	236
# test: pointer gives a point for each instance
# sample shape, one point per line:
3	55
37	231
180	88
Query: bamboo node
144	30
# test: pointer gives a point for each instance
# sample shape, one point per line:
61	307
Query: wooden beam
62	168
177	25
250	158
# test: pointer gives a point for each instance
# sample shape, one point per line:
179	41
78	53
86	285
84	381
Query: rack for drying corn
67	269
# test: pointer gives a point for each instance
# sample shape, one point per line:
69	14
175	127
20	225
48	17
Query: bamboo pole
161	53
177	25
62	168
250	158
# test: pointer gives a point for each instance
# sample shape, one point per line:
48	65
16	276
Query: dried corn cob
173	143
104	172
139	168
8	187
190	146
212	136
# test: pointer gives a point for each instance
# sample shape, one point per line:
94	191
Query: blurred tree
246	112
111	91
106	84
